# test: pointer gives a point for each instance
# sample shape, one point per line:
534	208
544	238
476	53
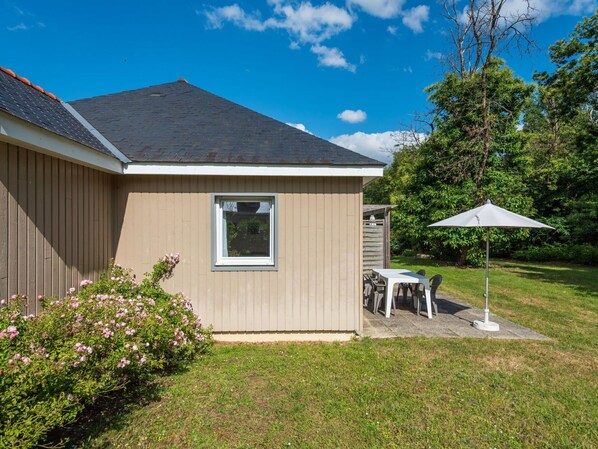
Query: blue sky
297	61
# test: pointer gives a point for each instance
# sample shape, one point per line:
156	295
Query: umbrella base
489	326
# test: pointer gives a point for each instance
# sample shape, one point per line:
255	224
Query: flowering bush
111	333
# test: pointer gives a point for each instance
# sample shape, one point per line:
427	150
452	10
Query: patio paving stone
455	319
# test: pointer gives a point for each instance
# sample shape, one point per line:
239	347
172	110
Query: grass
404	393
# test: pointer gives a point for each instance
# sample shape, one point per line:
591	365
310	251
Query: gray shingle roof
27	103
178	122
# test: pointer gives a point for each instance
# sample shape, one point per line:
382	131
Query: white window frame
222	263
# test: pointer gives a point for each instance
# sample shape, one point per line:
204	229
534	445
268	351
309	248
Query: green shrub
111	334
409	253
582	254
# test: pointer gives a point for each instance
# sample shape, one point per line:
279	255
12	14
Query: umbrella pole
487	325
487	310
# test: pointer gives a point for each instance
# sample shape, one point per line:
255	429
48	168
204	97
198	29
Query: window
244	231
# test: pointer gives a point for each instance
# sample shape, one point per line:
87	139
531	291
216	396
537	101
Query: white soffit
252	170
20	132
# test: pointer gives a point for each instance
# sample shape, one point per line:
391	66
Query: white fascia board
20	132
98	135
252	170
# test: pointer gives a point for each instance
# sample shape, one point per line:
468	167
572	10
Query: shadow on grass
581	278
111	412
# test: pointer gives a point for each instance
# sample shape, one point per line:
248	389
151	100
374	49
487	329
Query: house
267	219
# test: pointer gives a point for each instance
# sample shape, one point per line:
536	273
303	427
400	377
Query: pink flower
123	362
72	290
25	360
85	282
10	331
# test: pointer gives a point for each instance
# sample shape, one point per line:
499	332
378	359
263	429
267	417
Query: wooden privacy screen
373	244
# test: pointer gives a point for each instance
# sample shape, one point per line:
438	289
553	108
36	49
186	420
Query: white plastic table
397	276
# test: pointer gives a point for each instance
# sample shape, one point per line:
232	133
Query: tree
562	128
448	166
479	32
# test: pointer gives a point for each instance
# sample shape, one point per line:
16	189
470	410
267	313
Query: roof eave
367	172
23	133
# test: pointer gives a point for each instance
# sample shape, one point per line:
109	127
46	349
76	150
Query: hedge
582	254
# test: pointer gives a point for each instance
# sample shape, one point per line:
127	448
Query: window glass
246	228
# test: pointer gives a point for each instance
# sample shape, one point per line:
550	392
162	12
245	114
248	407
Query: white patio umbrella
489	216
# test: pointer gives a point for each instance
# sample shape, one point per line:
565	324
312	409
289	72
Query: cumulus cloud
380	146
312	25
332	57
300	127
414	18
350	116
542	10
18	27
305	22
384	9
236	15
432	55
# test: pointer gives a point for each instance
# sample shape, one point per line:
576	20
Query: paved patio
455	319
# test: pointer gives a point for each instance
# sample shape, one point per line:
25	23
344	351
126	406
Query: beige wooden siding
318	281
55	223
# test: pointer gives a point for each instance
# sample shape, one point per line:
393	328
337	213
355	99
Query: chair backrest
422	272
435	282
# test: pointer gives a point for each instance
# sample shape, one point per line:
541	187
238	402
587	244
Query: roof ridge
132	90
29	83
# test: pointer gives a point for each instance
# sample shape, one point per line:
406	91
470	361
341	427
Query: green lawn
405	393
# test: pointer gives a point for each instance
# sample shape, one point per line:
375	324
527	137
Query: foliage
583	254
437	179
477	151
562	130
111	334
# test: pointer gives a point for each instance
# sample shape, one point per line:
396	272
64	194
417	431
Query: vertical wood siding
55	224
317	285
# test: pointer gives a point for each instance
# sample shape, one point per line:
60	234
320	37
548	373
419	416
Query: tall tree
562	125
480	31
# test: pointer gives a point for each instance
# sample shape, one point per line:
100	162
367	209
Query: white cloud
415	17
300	126
331	57
384	9
18	27
542	10
379	146
236	15
350	116
310	24
392	30
432	55
408	69
304	22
